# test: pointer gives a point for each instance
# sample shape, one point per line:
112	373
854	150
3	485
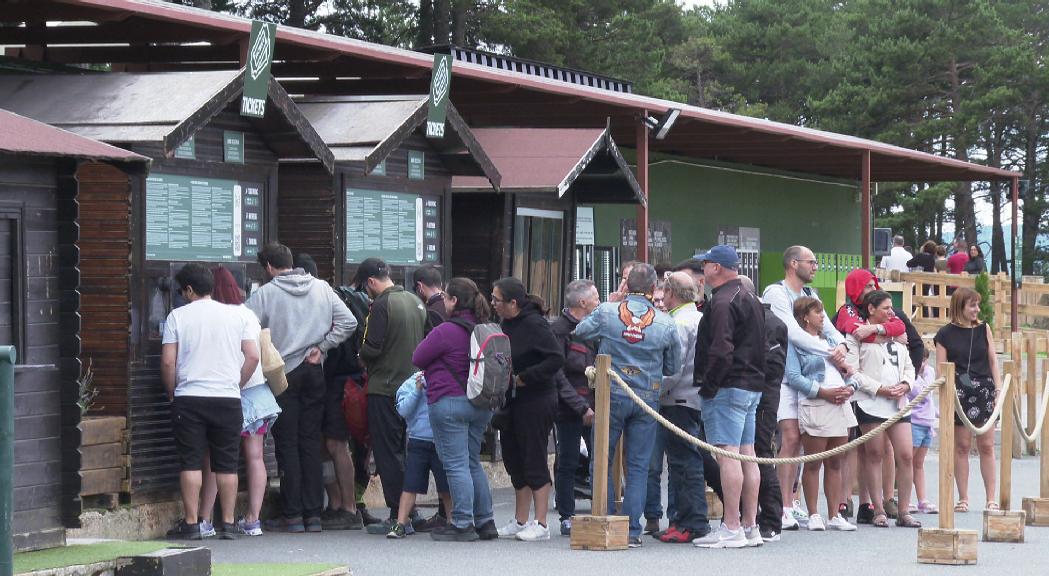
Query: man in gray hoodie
306	319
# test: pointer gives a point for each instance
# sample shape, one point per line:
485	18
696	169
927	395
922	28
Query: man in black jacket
575	410
730	373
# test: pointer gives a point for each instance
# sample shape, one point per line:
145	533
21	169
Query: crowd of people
756	375
932	257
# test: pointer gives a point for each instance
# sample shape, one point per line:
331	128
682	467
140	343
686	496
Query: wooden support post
947	545
1005	525
1032	390
599	531
1037	509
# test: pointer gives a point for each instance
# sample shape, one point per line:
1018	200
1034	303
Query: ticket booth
389	196
529	230
210	197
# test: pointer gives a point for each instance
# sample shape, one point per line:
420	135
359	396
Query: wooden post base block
714	507
1037	510
939	546
168	562
1003	525
600	532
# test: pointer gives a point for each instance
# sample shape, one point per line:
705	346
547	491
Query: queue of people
732	368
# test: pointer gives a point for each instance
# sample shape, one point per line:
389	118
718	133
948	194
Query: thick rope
591	373
995	414
1034	433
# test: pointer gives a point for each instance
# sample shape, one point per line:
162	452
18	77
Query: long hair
226	289
468	297
513	289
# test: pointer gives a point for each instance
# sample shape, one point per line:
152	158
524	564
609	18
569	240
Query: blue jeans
654	493
458	427
638	430
569	433
686	471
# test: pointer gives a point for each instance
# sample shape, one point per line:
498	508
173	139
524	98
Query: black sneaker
651	526
429	524
488	531
341	520
366	516
865	514
281	524
450	533
633	542
397	531
769	535
232	531
380	528
184	531
313	524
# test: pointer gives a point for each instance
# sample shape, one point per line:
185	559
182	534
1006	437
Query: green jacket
392	331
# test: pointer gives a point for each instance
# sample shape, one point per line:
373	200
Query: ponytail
468	297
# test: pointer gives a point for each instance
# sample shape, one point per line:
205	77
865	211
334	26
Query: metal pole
865	195
7	456
642	180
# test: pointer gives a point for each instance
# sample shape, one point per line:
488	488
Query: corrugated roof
24	136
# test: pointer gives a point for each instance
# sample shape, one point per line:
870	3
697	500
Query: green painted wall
697	198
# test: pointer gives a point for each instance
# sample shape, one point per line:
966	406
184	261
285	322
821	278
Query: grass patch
270	569
82	554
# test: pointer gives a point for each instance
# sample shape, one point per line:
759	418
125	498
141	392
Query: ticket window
538	253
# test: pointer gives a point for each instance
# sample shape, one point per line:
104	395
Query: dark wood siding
306	213
30	303
478	237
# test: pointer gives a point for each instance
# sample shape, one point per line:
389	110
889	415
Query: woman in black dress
969	344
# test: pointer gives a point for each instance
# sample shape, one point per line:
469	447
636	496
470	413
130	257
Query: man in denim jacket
643	344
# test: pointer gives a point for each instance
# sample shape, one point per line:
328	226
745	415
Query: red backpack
355	408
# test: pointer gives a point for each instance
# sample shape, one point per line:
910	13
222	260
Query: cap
370	268
722	254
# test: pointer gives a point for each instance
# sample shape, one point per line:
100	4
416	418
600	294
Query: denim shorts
421	460
258	410
922	435
728	417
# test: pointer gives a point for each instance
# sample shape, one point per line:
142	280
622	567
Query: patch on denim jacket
635	327
630	371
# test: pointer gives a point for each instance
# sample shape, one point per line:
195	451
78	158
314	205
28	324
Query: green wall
696	198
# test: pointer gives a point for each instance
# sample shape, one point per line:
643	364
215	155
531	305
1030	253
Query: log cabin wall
306	206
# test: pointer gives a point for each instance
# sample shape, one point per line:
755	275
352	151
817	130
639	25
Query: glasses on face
497	301
809	262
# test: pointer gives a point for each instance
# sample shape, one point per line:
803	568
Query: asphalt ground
883	551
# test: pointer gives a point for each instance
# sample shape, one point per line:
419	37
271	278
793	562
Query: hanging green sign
416	165
187	150
440	88
257	72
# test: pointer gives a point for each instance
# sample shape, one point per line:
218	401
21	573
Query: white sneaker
799	513
839	523
753	536
512	528
534	532
723	538
788	522
816	523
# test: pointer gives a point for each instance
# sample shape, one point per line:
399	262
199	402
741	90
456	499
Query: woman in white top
885	375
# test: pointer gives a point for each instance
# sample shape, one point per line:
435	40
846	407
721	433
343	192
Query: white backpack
490	367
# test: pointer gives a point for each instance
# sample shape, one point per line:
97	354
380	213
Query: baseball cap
370	268
722	254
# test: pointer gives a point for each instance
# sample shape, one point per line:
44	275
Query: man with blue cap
730	374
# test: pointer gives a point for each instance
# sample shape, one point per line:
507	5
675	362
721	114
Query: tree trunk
964	208
442	16
459	12
297	13
1033	204
995	148
424	36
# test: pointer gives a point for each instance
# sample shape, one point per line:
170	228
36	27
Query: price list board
202	219
399	228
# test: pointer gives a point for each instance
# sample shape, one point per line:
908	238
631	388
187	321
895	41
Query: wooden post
1005	525
1032	390
947	545
599	531
1016	370
1037	509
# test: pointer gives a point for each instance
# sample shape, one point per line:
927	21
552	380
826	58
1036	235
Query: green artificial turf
82	554
270	569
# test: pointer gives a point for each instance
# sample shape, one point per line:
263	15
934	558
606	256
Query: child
924	418
421	456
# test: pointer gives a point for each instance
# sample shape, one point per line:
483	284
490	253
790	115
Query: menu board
399	228
206	219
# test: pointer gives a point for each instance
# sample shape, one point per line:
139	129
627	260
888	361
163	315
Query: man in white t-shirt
209	353
898	257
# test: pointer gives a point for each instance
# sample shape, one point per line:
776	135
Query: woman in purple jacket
458	425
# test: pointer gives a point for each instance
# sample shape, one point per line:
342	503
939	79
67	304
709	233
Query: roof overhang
25	137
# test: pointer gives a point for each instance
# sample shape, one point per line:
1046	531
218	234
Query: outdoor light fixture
662	126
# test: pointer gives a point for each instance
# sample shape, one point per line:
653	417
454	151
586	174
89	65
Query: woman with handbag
458	425
969	344
885	375
259	409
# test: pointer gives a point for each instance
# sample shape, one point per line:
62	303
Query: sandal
992	507
925	507
907	521
962	506
880	520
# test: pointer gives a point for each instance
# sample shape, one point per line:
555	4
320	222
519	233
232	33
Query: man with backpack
394	328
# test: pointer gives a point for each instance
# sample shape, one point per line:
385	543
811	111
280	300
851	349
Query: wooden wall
306	214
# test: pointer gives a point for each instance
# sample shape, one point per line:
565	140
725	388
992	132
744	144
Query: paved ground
886	552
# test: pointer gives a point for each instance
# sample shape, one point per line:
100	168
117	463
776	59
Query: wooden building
211	196
390	195
546	174
39	303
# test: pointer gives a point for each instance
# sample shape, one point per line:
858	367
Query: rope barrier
591	373
995	414
1033	434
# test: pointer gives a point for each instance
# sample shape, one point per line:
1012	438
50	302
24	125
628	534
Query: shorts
864	418
334	426
788	403
419	461
729	417
817	417
259	410
202	424
922	435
